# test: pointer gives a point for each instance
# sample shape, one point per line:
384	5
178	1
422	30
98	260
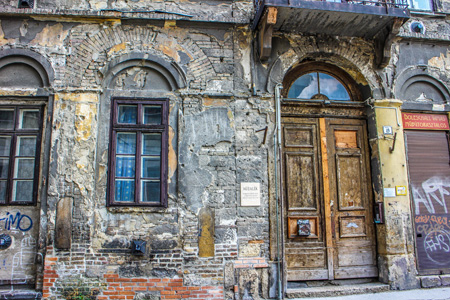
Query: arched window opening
321	82
318	86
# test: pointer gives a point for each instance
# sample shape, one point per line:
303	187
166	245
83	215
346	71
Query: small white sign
387	130
250	194
389	192
438	107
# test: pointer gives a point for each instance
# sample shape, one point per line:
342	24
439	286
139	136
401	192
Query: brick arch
96	50
354	56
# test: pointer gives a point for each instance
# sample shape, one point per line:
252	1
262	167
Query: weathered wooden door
328	200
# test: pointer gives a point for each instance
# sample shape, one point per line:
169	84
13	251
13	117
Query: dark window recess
20	139
138	153
26	4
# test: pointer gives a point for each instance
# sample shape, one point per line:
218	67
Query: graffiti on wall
432	222
23	261
19	258
432	194
18	221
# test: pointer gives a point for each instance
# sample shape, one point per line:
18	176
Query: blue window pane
152	114
6	119
2	191
127	114
29	119
304	87
420	4
125	166
23	190
26	146
126	143
150	191
151	144
4	166
24	168
124	190
5	145
332	88
151	167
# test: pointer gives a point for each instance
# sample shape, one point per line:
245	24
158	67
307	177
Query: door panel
301	193
353	235
306	256
327	187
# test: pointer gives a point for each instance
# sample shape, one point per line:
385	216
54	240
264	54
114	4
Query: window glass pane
420	4
152	114
151	144
127	114
151	167
150	191
4	166
124	190
6	119
304	87
23	190
126	143
332	88
24	168
26	146
5	144
125	166
29	119
2	191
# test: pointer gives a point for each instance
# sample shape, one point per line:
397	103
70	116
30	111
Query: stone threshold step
337	290
20	294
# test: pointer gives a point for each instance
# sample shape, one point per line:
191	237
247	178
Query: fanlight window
318	86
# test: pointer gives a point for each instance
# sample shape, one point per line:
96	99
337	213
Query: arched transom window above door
318	86
320	81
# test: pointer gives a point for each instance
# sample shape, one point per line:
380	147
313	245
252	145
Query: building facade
222	149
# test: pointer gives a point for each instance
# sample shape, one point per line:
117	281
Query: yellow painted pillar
395	236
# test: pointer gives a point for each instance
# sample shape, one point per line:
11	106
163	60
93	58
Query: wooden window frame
17	132
138	128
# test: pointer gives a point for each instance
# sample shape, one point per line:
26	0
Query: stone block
430	281
250	250
445	280
206	238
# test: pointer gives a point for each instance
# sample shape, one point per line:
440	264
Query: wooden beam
268	19
327	198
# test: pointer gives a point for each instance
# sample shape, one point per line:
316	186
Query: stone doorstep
337	290
20	294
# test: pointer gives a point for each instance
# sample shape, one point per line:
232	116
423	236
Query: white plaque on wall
389	192
250	194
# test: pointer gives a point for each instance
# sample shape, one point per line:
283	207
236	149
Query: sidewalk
420	294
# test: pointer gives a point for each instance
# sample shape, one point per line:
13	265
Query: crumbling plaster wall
215	143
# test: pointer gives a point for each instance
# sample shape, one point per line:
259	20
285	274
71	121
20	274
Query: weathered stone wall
205	244
215	143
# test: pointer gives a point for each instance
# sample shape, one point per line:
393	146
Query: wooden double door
328	200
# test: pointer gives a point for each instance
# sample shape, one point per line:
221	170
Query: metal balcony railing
402	4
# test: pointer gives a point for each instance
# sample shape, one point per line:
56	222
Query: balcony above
375	19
